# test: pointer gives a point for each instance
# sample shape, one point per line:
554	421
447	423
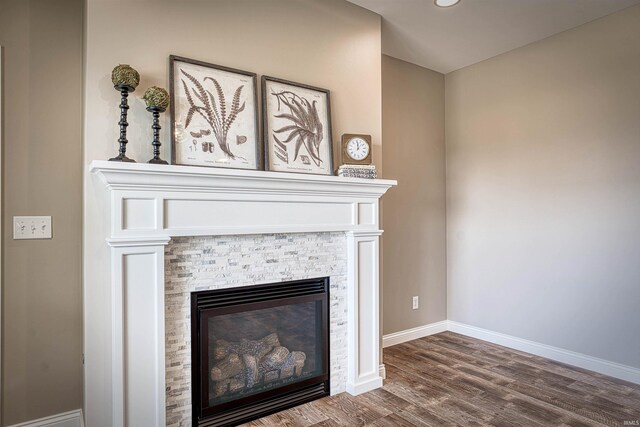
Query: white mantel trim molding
150	204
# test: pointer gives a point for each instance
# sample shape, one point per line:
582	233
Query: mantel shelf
150	177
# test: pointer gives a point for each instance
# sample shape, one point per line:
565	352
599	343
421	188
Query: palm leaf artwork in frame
297	127
214	116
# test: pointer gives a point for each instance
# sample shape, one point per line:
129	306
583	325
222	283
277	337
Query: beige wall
414	212
42	329
327	43
543	178
1	213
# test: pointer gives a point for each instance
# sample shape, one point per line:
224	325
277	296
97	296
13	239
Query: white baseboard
613	369
413	333
363	387
67	419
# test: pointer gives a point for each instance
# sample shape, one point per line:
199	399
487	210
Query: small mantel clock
356	149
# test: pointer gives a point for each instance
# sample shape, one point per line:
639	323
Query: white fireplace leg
138	348
363	305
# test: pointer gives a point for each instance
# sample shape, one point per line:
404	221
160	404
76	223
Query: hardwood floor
450	379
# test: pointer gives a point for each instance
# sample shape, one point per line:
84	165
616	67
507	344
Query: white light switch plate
31	227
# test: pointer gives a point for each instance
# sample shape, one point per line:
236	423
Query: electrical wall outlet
31	227
415	303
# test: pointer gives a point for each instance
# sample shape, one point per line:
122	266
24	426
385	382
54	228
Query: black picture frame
209	146
297	120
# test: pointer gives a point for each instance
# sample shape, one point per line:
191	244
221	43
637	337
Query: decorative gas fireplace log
251	370
256	348
227	368
230	385
293	364
275	359
247	363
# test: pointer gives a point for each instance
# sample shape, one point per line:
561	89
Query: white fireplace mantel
146	205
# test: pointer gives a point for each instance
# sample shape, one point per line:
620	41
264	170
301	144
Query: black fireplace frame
205	304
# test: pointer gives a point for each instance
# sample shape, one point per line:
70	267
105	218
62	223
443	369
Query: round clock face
357	148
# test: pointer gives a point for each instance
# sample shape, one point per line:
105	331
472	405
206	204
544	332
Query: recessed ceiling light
446	3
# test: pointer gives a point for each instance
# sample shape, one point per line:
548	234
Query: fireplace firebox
258	349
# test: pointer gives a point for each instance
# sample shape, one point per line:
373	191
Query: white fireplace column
146	205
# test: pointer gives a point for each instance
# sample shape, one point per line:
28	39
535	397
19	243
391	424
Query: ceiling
446	39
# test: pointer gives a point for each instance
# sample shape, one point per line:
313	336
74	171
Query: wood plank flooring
450	379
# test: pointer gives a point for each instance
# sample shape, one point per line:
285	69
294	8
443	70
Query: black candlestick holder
155	111
124	107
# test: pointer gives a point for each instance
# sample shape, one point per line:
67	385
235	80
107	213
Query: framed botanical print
214	116
297	127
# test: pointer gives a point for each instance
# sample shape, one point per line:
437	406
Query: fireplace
258	349
137	343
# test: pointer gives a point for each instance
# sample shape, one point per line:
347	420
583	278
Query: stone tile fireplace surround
205	263
263	227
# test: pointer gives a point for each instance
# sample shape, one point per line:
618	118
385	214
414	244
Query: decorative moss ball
123	74
156	97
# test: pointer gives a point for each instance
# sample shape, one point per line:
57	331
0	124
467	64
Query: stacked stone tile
204	263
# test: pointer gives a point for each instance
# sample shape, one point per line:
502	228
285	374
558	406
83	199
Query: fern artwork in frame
214	116
297	127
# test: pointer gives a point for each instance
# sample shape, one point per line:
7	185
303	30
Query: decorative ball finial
157	100
125	79
156	97
124	75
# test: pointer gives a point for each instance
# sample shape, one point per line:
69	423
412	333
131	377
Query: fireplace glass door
259	349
